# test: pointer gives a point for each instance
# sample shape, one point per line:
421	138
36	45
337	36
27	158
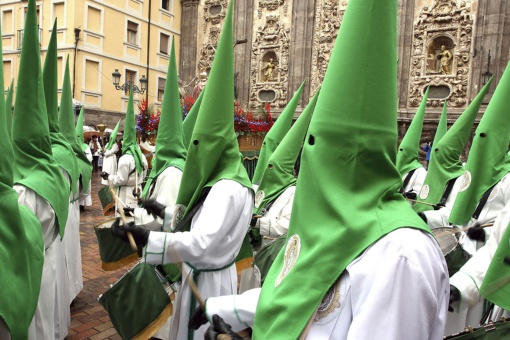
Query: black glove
105	175
154	208
220	327
423	217
254	220
411	195
454	297
198	318
438	206
128	211
476	233
140	234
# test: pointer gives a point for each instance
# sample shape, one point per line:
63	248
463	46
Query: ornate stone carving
440	32
270	57
329	17
214	13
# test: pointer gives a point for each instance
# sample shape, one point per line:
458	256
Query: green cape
279	173
487	160
35	166
68	129
8	110
189	122
214	153
407	155
113	137
129	144
60	147
347	194
22	245
445	164
276	134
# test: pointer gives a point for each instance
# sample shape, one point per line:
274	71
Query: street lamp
125	87
486	76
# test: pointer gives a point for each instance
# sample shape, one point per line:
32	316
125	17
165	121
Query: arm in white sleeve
112	151
121	178
236	310
439	218
276	220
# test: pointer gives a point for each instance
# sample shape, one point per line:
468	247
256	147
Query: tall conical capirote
21	246
8	110
488	157
445	163
129	143
189	122
279	173
35	166
275	135
214	154
442	126
60	147
113	137
407	155
68	130
347	194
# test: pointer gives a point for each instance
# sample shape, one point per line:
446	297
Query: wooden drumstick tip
124	220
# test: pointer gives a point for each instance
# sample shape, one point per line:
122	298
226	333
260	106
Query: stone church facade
449	45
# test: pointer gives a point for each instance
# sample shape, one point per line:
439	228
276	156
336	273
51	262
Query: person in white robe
86	196
110	154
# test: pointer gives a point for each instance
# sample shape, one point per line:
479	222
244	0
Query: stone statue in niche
446	59
268	70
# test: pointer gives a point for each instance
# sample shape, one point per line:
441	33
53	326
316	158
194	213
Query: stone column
243	30
405	41
188	53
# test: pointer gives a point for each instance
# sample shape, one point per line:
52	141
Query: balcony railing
20	37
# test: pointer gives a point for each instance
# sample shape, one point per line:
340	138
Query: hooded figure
38	179
165	178
132	165
110	154
276	134
189	122
22	246
209	242
85	195
408	164
445	165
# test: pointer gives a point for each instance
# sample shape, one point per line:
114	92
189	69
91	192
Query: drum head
447	239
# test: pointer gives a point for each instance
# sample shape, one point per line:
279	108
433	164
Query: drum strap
447	191
482	202
406	181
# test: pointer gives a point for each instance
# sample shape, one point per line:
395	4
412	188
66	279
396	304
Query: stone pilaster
189	27
243	30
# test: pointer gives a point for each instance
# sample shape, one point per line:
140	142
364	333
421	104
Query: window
132	31
161	88
7	22
163	43
165	4
130	79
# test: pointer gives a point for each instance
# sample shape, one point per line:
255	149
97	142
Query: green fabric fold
189	122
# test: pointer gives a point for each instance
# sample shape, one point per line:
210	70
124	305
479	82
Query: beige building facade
99	37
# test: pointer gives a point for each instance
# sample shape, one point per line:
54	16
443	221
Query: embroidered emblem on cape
290	257
424	193
329	303
466	181
259	197
258	276
178	214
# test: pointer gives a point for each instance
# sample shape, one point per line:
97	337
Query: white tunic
43	324
110	162
416	181
164	190
127	179
85	196
470	277
397	289
217	232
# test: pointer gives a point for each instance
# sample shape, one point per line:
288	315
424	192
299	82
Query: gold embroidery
290	258
466	181
330	302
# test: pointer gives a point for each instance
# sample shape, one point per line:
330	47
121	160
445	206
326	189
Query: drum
263	260
107	202
490	331
138	304
114	252
454	254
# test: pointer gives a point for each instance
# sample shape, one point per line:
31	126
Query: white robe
127	179
397	289
164	190
43	324
416	182
110	162
217	232
85	196
470	277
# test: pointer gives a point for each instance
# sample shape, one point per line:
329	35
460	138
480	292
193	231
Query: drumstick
481	226
420	202
191	283
124	220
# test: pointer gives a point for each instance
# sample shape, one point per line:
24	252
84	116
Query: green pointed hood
68	130
445	163
347	191
189	122
22	246
214	153
170	149
8	110
488	158
275	135
407	155
60	147
442	126
279	173
129	144
79	130
35	166
113	137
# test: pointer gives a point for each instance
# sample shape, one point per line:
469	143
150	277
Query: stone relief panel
441	54
213	12
329	15
270	55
